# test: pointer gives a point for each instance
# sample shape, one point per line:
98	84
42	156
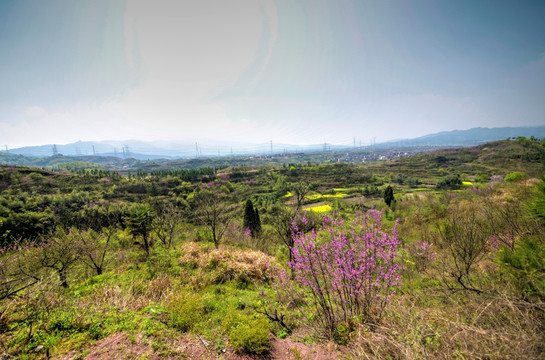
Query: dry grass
228	264
467	326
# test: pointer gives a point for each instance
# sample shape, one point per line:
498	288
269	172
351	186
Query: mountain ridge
470	137
152	150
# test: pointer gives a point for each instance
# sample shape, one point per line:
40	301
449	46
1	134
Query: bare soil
121	346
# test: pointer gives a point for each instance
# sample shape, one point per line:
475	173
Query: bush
526	266
343	272
452	182
515	177
97	330
422	254
247	334
186	310
342	333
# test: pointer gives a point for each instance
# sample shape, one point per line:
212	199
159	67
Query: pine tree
388	195
251	219
257	223
249	215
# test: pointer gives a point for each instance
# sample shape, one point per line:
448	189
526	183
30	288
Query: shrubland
451	267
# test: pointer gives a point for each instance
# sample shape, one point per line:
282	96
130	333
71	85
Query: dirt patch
121	346
117	346
287	349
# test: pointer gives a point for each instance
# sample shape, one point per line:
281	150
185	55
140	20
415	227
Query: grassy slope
496	158
148	299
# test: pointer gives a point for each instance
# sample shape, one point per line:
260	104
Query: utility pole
271	148
55	151
94	152
196	150
6	147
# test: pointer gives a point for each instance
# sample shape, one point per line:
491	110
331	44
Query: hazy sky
290	71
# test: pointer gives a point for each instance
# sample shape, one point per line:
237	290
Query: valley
436	254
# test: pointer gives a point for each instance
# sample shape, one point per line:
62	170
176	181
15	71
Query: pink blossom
347	270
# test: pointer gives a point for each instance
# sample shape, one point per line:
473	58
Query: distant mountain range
142	150
470	137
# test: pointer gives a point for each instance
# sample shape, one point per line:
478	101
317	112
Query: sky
255	71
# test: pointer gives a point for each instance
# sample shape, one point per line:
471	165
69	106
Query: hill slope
495	158
470	137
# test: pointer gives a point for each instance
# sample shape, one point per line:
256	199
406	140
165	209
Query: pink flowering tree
342	271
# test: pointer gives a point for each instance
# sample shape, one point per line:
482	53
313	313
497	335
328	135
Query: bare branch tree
94	247
300	190
167	221
464	235
283	220
59	253
212	210
16	272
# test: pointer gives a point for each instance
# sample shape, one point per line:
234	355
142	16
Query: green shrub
515	177
186	310
97	330
64	322
526	267
342	332
247	334
451	182
149	327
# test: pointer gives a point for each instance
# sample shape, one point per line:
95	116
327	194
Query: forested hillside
437	255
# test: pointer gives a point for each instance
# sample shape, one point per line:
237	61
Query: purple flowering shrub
497	241
422	254
342	272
